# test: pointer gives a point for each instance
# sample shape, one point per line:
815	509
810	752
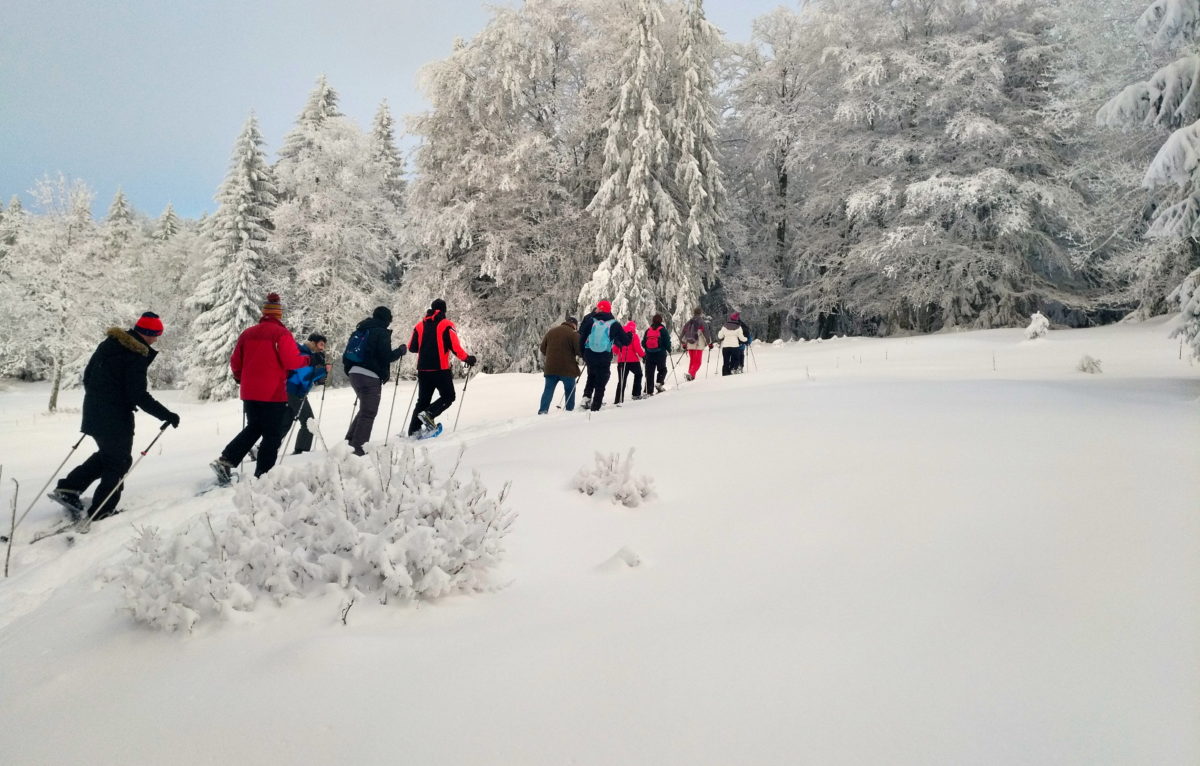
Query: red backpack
652	339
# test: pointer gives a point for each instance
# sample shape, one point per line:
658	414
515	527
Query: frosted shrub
386	523
612	476
1089	365
1038	325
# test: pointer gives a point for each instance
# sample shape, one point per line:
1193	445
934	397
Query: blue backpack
356	347
598	339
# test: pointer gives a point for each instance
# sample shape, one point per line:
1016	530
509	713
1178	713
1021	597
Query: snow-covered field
952	549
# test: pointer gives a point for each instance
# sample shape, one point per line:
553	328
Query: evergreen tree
321	106
639	225
227	299
385	154
119	227
692	127
168	224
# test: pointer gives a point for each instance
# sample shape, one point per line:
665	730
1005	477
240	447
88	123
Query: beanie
572	320
604	306
273	307
438	305
383	314
734	316
656	319
149	324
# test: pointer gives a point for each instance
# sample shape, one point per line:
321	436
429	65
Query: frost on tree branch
1170	98
611	476
1170	22
386	523
1176	164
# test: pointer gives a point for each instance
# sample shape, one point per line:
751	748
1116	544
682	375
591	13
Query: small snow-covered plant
1089	364
614	477
1038	325
387	523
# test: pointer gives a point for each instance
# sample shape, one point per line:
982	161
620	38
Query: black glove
317	359
470	360
403	349
171	419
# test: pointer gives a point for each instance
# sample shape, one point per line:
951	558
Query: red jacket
432	340
261	359
634	351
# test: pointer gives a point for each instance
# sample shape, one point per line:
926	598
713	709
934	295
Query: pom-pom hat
149	324
273	307
604	306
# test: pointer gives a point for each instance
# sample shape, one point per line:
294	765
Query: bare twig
12	530
346	611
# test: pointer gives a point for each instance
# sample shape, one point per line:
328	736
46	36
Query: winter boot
586	402
224	471
659	387
69	500
427	421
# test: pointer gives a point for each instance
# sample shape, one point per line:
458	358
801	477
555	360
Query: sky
148	96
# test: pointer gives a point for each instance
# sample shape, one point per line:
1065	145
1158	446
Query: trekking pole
460	401
317	422
38	494
392	411
562	398
408	409
321	408
287	442
97	506
708	363
754	359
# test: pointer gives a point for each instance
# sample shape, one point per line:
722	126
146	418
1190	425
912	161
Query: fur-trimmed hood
127	339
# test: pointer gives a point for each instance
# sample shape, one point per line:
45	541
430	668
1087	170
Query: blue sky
148	95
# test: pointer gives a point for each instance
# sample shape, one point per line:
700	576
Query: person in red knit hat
261	360
114	385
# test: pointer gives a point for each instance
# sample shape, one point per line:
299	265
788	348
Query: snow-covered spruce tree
691	124
507	163
390	164
58	278
639	225
386	526
336	226
228	297
167	225
1169	100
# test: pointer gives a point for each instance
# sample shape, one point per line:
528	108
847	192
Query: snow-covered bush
1038	325
614	477
1089	364
386	523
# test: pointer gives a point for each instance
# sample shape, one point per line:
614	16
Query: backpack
598	338
652	338
356	347
691	331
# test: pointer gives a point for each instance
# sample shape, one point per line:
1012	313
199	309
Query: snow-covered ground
952	549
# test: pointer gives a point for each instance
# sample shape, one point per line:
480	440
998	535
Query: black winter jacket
114	385
379	351
616	333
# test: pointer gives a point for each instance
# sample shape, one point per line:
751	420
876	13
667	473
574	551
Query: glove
710	346
317	360
403	349
171	419
470	360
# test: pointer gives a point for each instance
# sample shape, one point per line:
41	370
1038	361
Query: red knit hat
604	306
149	324
273	307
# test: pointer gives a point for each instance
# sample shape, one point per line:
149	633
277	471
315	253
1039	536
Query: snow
949	549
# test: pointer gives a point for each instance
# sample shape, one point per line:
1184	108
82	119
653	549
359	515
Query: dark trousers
656	370
109	464
299	409
599	367
369	390
264	420
624	370
552	382
729	360
430	382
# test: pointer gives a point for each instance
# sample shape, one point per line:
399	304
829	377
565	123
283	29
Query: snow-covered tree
168	224
1169	100
385	154
228	298
337	228
639	225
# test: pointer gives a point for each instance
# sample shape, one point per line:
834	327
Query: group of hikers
275	374
601	338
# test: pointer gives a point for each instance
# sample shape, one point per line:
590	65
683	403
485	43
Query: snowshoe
69	500
427	421
430	433
659	387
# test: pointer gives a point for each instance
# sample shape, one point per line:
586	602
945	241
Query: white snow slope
866	551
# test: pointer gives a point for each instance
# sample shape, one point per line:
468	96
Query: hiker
599	333
629	362
260	363
367	361
656	341
731	337
695	339
300	382
433	338
741	359
114	385
561	348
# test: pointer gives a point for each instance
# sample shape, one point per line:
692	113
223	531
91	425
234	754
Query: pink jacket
634	351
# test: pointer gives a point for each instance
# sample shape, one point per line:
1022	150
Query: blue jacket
301	381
